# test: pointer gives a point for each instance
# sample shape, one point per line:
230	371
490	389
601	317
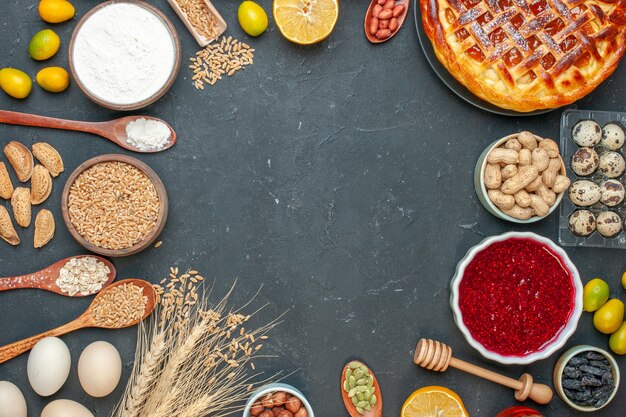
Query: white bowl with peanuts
521	178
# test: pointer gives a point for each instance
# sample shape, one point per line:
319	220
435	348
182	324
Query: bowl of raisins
586	378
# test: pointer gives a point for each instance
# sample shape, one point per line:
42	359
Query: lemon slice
433	401
306	21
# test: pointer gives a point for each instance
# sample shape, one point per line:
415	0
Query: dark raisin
591	370
607	379
577	361
572	384
589	381
601	364
595	356
571	372
602	401
597	393
583	397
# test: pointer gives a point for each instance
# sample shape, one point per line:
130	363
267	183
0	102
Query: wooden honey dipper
437	356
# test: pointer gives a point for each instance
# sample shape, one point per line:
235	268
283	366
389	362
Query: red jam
519	411
516	296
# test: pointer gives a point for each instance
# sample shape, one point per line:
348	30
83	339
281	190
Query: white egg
12	402
99	369
48	366
65	408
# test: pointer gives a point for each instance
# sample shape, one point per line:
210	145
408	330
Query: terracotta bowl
155	96
481	190
566	332
160	190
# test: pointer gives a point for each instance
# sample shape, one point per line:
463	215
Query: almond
7	231
21	206
6	186
21	160
40	185
44	228
49	157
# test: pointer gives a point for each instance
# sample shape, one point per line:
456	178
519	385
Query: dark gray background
338	176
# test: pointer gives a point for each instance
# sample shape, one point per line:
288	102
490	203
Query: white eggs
65	408
12	402
99	369
48	366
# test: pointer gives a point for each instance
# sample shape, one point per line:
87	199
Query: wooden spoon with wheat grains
102	313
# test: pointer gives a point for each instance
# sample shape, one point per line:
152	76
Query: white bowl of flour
124	55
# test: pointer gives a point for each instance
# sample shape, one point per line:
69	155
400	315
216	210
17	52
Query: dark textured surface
338	176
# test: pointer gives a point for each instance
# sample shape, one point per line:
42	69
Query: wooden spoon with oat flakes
122	304
47	278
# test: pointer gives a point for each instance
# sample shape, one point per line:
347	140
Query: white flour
147	134
123	53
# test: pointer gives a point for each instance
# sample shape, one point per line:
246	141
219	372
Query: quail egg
584	193
612	193
609	223
612	136
585	161
612	164
582	222
587	133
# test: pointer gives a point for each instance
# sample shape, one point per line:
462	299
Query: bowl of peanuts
521	178
278	400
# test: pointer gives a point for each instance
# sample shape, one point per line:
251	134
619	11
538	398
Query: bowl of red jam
516	297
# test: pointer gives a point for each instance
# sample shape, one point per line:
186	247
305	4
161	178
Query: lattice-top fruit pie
527	55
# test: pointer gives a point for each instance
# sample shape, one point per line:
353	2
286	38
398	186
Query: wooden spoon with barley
46	279
90	318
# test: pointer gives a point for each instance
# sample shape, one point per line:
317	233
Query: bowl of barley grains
114	205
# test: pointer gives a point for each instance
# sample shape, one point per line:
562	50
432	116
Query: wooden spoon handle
524	387
17	348
485	373
24	119
24	281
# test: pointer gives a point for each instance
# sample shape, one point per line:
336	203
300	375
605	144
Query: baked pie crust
527	55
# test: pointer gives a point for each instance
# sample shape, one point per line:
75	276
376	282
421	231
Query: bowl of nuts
586	378
521	178
277	400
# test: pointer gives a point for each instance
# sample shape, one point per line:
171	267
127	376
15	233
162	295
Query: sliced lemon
434	401
306	21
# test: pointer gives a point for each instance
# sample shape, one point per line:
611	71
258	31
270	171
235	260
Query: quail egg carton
568	147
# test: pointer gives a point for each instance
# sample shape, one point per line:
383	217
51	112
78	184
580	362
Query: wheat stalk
193	359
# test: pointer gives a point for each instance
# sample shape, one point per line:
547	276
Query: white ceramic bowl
481	190
274	388
566	332
560	366
141	102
